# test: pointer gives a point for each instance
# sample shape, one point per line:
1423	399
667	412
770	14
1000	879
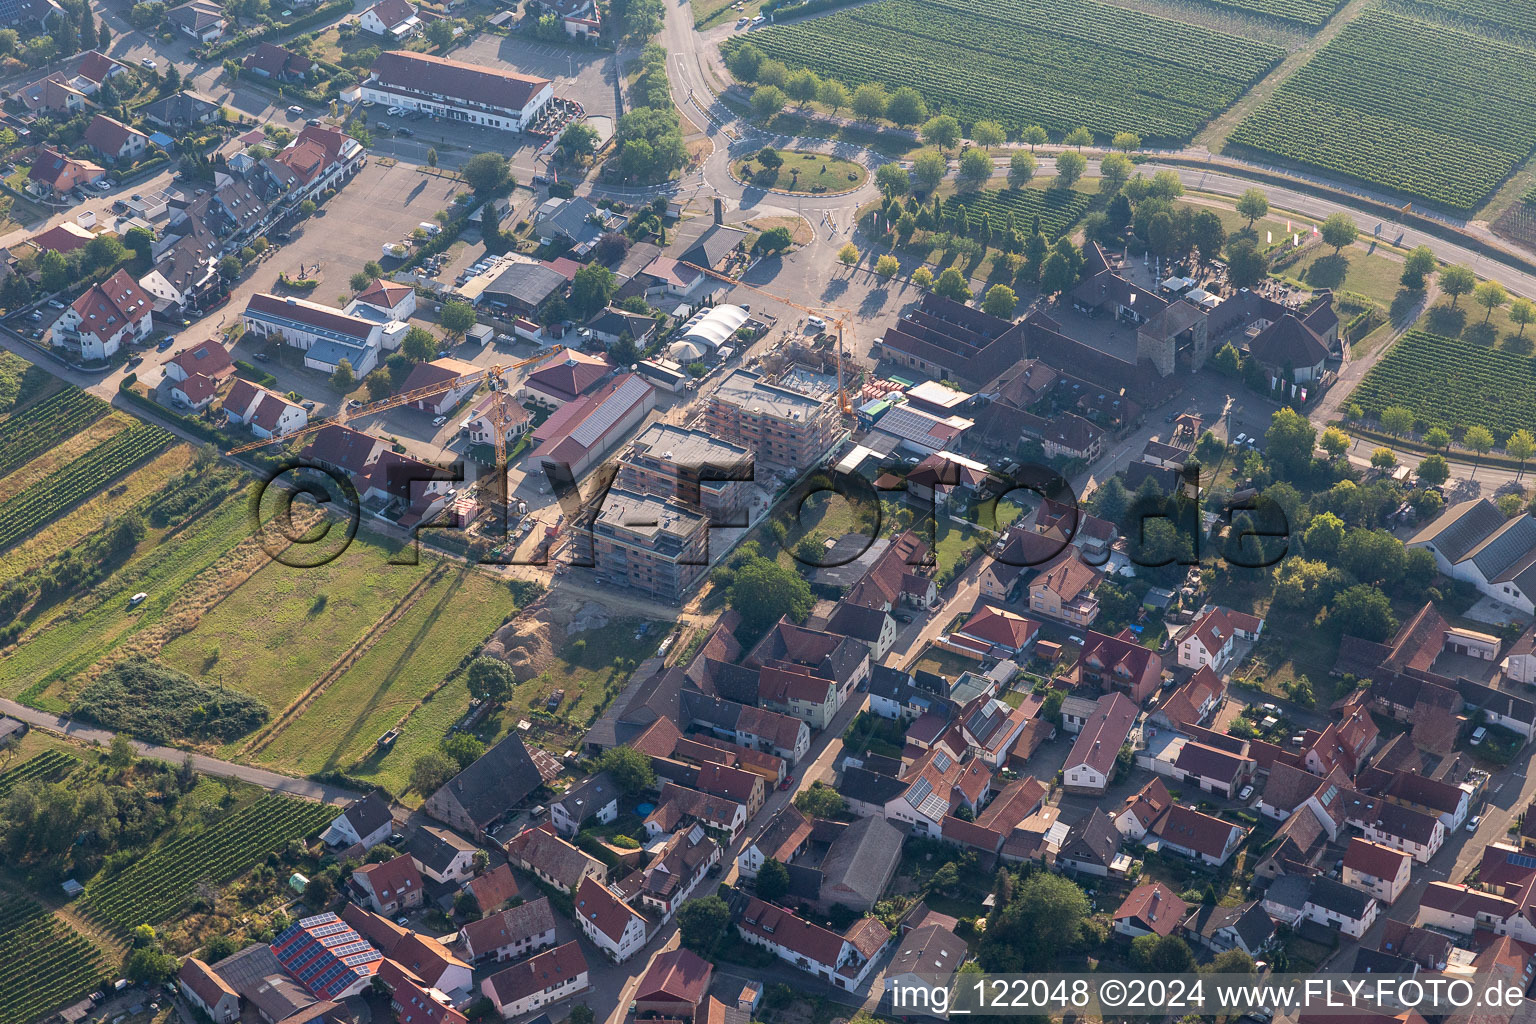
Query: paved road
207	765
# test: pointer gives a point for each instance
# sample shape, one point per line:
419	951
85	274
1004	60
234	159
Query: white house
442	856
325	334
204	989
551	977
1379	870
394	19
1402	828
1472	541
612	925
390	886
266	412
842	960
457	91
1091	762
514	932
596	799
366	821
1198	836
394	301
108	314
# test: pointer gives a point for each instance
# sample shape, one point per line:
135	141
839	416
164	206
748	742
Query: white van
430	228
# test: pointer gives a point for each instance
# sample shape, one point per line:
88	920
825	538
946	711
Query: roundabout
798	172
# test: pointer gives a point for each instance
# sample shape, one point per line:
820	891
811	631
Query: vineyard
1396	102
1056	63
1057	208
49	766
1311	13
46	964
1453	384
1498	18
25	435
51	497
160	886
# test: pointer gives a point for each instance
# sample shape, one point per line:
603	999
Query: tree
1383	459
893	179
431	771
1437	437
359	281
459	317
763	592
1247	265
380	385
1334	441
591	289
869	100
1233	961
611	247
744	62
1456	280
942	131
773	241
1364	612
1069	168
906	107
630	768
832	94
1165	185
1115	171
318	891
490	680
952	285
1021	169
440	32
1000	301
1397	420
1253	204
1289	442
344	380
1126	142
768	101
1079	137
802	86
1323	535
1339	230
887	266
1521	445
1490	295
819	801
432	157
1043	920
581	1013
1162	954
487	173
1480	440
120	754
701	923
1056	274
1522	312
975	169
987	134
149	965
419	344
928	169
1418	265
1434	470
464	748
772	881
1207	235
1033	136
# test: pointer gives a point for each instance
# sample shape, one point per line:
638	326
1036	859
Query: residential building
1192	703
366	822
497	409
578	435
786	431
674	985
457	378
1295	898
784	837
1092	847
926	960
551	977
1246	927
204	989
1403	828
103	318
457	91
1150	909
596	799
266	412
1198	836
1211	639
993	632
1212	769
326	335
492	889
278	63
413	1002
553	860
53	173
679	805
1090	765
114	141
677	869
689	464
1117	665
195	374
936	784
442	856
1379	870
610	923
1142	810
203	20
1063	589
613	324
329	959
390	886
752	727
511	933
901	695
658	546
842	960
396	20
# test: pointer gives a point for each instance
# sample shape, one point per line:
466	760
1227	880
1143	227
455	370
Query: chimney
719	210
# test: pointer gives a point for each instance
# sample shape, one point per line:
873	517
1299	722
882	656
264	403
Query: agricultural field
1453	384
403	668
283	627
51	496
1497	18
159	886
46	964
1058	208
29	432
1407	105
1056	63
49	766
1308	13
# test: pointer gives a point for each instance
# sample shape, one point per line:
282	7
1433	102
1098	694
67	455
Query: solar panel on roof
1521	860
608	411
920	789
942	762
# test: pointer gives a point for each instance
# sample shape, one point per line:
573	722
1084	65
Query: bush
158	703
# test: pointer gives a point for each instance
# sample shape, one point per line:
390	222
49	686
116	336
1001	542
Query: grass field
1416	106
406	664
1056	63
283	627
809	173
1373	276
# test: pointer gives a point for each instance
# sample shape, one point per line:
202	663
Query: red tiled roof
607	912
493	888
1374	858
420	72
206	357
392	878
1068	576
1001	628
204	982
382	293
1186	827
779	926
107	135
1154	906
1103	734
547	970
678	975
106	307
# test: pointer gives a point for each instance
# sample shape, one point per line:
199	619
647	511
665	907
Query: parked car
1477	819
165	344
1246	793
148	62
403	130
313	122
295	109
438	421
135	361
309	406
55	303
137	599
262	357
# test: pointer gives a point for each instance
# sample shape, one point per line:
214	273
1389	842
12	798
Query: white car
439	421
296	109
816	322
148	62
1476	821
759	20
1241	438
395	111
1246	793
137	599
